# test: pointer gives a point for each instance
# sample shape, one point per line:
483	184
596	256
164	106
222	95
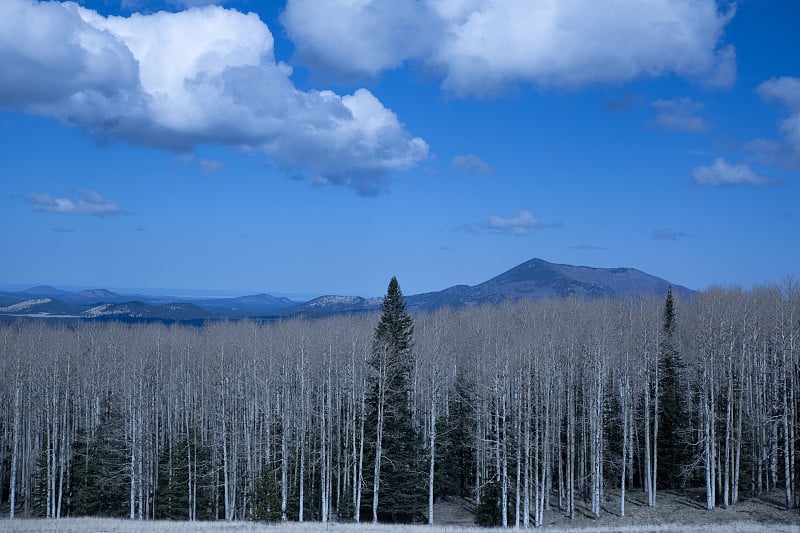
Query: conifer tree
174	501
99	468
674	451
456	465
266	497
398	485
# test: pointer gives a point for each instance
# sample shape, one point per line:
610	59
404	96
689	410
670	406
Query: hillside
533	279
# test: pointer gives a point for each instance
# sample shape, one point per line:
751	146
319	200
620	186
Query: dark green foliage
173	481
674	425
402	480
613	433
346	509
39	486
393	334
455	454
267	496
488	513
100	481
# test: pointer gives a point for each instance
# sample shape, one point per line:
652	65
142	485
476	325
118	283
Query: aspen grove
522	407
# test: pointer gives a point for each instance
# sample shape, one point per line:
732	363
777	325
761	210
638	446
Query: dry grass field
675	513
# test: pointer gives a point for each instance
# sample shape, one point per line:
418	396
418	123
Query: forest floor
675	512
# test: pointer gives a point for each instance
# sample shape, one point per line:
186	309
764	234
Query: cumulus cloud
87	203
720	172
786	91
136	5
520	224
471	163
679	114
667	234
479	46
203	76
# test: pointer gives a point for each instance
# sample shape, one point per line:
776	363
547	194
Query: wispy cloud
62	229
668	234
480	46
87	203
679	114
471	163
722	173
211	166
786	91
521	224
206	166
587	247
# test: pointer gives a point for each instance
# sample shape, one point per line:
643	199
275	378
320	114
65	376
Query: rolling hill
533	279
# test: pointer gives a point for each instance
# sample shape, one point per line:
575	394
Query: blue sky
309	147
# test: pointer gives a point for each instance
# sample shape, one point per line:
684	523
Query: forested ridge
521	407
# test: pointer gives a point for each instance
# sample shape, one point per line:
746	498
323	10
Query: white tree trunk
14	453
433	458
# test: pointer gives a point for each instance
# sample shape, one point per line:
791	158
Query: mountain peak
533	279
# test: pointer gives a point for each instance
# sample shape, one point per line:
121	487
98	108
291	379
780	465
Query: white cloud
679	114
203	76
480	46
361	38
520	224
210	166
668	234
471	163
720	172
87	203
786	90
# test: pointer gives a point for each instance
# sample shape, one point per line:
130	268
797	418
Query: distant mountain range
532	279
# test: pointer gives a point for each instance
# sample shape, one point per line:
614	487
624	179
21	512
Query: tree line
521	407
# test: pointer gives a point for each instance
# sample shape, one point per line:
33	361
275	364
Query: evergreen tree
100	479
401	479
267	496
455	462
674	450
173	501
39	486
489	513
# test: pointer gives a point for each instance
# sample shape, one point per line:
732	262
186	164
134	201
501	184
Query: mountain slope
140	310
92	296
42	307
537	278
326	305
254	305
533	279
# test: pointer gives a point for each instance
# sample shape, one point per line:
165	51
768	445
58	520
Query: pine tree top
669	313
395	327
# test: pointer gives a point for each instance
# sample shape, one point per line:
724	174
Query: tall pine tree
399	483
674	425
100	481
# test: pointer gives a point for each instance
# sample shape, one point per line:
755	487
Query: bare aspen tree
200	413
16	439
